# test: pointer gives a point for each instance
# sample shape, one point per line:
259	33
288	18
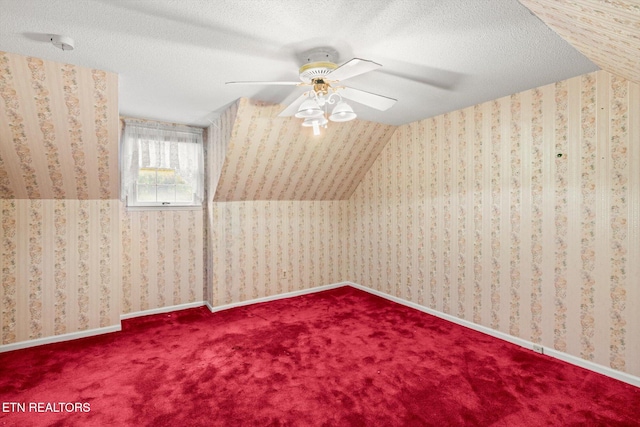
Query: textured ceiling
607	32
269	158
173	57
58	130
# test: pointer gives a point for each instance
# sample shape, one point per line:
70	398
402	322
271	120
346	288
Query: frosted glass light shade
308	109
315	123
319	121
342	113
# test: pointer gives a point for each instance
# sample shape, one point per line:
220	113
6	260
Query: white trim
586	364
134	208
161	310
591	366
594	367
59	338
173	127
277	297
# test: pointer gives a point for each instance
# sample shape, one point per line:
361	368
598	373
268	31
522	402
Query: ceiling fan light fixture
342	113
319	121
309	109
322	75
315	123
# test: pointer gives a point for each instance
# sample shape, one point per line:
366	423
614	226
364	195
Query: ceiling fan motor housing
319	62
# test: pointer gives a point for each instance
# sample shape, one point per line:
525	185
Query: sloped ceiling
606	32
58	130
272	158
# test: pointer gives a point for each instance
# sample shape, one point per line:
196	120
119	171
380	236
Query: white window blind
162	165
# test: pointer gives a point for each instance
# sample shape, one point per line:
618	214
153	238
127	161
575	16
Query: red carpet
335	358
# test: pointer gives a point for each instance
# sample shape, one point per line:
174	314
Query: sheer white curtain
161	146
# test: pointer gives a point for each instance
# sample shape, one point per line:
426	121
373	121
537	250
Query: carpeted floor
340	357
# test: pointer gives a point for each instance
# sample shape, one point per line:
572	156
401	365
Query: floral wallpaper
520	214
273	158
51	282
58	184
54	134
217	138
263	248
606	32
162	258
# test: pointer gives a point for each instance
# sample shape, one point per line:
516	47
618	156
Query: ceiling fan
323	77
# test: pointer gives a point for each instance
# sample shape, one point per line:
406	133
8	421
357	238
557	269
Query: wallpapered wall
162	258
58	128
60	269
273	158
58	175
162	254
254	243
520	214
218	136
251	244
473	213
606	32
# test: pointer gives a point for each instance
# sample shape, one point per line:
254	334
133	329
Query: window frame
130	183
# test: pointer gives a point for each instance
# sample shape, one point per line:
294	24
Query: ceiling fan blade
379	102
293	107
265	83
352	68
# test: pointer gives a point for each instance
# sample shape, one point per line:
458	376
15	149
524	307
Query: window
162	165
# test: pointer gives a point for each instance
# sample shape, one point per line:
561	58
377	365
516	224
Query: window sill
164	208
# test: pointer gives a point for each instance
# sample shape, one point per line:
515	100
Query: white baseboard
59	338
604	370
277	297
161	310
586	364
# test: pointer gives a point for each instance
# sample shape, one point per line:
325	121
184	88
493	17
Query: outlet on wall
538	348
